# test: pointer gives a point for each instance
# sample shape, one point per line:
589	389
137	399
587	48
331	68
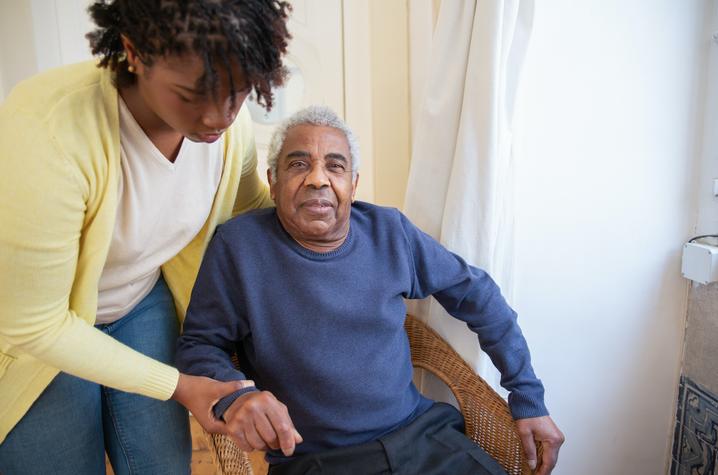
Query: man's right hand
258	421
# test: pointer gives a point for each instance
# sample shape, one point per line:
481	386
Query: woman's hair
252	33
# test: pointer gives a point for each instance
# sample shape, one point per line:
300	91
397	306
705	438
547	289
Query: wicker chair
486	415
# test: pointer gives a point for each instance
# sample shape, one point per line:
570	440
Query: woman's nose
220	116
216	120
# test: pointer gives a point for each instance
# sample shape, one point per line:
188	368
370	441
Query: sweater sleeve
469	294
213	327
42	210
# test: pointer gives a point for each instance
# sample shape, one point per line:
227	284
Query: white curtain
461	183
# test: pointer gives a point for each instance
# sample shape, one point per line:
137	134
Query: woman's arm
43	253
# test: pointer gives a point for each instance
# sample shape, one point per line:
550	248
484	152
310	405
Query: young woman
113	177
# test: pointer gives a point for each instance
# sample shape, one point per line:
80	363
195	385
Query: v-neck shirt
162	205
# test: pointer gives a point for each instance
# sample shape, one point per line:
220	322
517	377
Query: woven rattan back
487	416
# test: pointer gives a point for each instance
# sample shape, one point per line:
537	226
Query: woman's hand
199	394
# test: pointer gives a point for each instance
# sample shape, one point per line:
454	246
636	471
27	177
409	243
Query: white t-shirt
161	208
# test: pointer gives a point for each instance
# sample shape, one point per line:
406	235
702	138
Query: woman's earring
131	69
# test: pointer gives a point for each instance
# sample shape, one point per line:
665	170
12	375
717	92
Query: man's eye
337	167
296	164
185	99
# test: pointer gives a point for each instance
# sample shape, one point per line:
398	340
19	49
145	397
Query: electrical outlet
700	262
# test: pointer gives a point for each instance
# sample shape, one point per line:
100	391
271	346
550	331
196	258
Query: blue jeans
73	422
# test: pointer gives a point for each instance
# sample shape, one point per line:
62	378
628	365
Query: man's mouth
317	206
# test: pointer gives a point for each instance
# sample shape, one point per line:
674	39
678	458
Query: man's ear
271	183
354	186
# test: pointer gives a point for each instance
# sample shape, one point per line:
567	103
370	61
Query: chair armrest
487	417
227	458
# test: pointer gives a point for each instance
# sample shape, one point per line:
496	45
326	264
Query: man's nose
317	176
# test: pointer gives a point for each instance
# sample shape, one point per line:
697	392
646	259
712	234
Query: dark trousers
433	444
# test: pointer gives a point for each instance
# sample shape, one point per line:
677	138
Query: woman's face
173	91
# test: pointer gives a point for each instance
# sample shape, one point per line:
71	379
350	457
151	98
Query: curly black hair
252	33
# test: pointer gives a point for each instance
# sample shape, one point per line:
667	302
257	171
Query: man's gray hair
313	115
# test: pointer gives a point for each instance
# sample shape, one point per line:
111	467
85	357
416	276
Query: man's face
314	189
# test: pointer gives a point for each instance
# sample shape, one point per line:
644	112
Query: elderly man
311	297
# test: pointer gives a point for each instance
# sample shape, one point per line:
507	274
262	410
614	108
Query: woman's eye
193	98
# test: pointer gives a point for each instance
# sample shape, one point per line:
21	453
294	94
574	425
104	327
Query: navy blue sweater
324	331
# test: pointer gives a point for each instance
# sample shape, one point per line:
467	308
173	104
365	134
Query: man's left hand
544	430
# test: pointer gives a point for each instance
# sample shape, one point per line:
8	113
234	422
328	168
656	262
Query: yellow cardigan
59	170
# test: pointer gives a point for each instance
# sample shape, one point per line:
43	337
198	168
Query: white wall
60	27
390	99
17	46
36	35
607	144
708	170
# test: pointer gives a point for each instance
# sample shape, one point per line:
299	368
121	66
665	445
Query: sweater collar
308	253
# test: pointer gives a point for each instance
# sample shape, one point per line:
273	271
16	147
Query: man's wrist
223	404
525	406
